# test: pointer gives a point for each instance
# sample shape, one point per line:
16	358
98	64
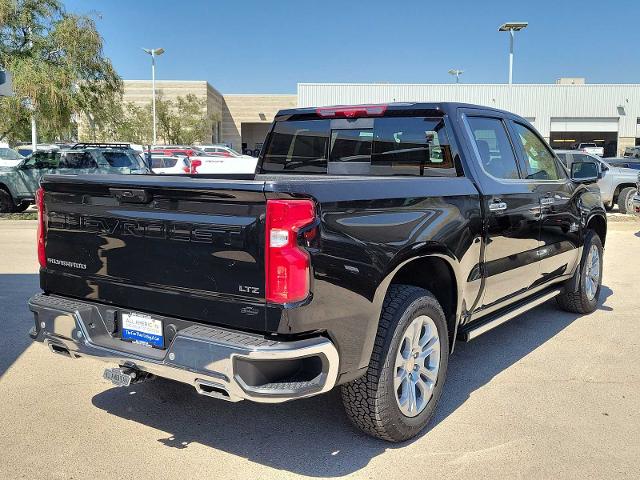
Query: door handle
497	206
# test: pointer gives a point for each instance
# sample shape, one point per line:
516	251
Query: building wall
140	93
539	102
239	109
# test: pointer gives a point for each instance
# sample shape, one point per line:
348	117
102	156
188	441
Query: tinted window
122	159
411	146
40	160
540	162
350	151
78	160
394	146
299	146
496	152
157	162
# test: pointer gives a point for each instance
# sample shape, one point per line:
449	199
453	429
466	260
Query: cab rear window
414	146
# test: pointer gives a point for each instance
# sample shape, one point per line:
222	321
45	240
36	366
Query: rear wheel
585	300
6	202
625	200
398	395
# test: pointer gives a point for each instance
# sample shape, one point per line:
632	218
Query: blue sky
250	46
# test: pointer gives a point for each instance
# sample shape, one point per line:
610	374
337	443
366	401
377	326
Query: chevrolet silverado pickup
370	238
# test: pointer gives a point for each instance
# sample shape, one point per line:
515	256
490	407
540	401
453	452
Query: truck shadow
15	318
313	436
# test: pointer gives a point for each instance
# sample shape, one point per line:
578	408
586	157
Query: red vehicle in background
176	151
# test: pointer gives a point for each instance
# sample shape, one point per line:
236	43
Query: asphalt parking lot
548	395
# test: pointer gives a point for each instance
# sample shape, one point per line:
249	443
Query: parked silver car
617	185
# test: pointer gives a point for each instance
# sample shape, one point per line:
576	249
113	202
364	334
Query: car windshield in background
392	146
9	154
123	159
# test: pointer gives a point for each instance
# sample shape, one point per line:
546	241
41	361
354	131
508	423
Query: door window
78	160
494	146
42	160
411	146
539	161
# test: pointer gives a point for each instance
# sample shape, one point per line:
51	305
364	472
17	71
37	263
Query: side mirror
585	172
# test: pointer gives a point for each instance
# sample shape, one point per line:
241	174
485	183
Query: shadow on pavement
313	436
15	317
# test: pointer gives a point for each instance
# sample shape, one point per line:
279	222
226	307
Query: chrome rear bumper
221	363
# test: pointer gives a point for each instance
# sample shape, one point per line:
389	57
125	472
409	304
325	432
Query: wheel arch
621	187
441	281
598	223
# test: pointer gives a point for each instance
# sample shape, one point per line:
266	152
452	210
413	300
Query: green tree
184	121
57	62
119	121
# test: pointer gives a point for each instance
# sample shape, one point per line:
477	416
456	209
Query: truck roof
431	108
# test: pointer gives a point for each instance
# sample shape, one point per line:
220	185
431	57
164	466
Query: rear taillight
42	256
194	165
351	111
287	265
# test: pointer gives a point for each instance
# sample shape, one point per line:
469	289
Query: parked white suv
591	148
617	185
221	150
162	164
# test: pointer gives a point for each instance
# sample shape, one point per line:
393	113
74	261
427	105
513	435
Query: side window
496	152
411	146
42	160
540	162
157	162
78	160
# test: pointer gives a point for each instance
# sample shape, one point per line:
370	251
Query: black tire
370	401
22	207
623	199
6	202
579	302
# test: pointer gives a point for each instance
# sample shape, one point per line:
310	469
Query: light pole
456	73
512	27
29	105
154	52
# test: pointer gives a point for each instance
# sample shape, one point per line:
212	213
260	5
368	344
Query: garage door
584	124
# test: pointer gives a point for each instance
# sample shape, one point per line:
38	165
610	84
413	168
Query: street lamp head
456	72
154	52
513	26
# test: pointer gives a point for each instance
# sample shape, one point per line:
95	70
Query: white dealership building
567	112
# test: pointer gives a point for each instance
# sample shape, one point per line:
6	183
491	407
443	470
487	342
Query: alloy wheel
416	366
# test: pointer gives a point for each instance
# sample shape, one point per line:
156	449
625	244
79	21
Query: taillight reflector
42	256
351	111
287	265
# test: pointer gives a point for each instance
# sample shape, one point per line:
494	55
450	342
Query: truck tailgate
184	247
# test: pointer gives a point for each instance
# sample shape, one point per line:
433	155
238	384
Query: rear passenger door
559	216
512	213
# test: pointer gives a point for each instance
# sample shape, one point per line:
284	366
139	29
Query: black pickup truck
370	238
